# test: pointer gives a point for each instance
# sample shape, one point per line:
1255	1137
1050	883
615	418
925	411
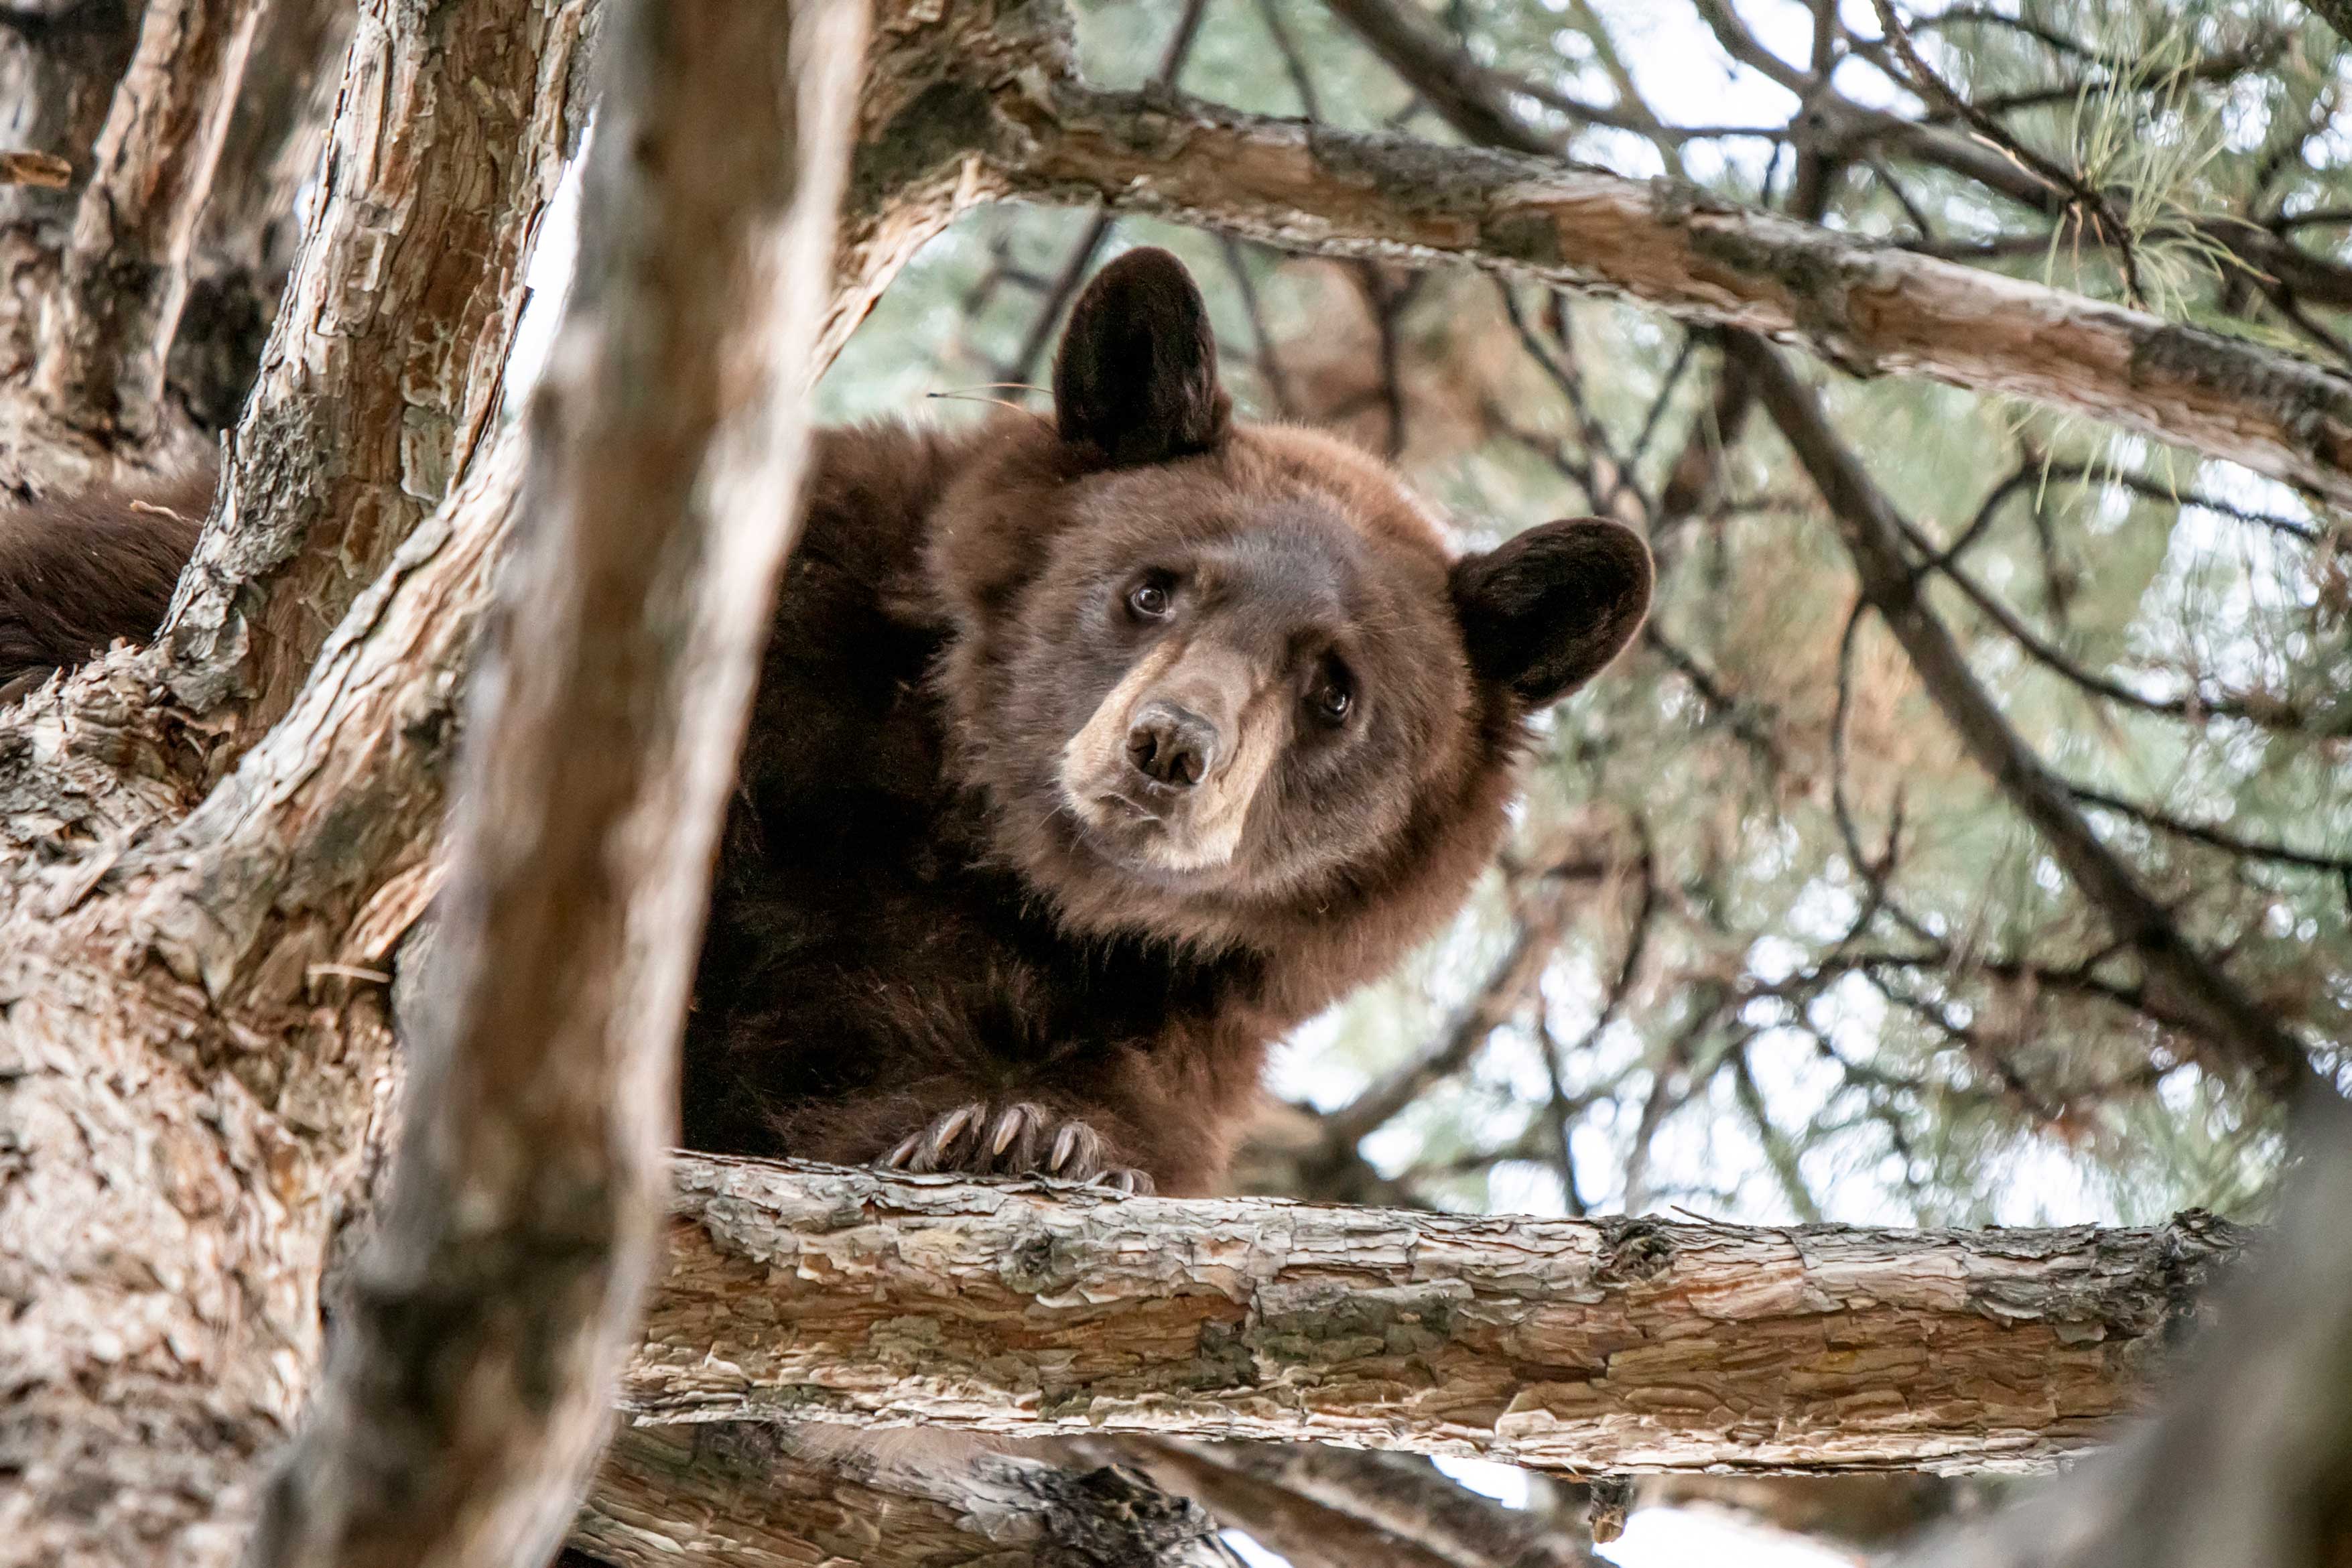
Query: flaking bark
808	1293
110	325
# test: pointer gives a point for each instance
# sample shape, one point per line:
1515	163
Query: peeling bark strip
468	1399
979	99
806	1292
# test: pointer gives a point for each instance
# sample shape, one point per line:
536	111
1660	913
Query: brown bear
1092	754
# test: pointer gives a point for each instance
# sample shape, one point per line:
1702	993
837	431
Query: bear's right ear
1136	378
1544	612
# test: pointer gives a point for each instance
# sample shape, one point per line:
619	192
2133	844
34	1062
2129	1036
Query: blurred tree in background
1769	944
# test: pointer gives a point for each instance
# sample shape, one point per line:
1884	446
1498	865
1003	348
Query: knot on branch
1633	1250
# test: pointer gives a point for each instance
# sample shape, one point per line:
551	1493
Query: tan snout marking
1204	826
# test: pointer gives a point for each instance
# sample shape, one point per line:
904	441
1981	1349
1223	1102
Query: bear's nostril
1171	746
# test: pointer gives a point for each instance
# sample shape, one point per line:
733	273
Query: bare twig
2230	1021
1936	89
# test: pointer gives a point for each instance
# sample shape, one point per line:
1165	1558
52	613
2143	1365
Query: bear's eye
1333	696
1151	599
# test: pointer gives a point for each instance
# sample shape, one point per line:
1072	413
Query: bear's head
1223	683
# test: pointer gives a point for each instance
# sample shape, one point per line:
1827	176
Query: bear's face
1242	684
1205	673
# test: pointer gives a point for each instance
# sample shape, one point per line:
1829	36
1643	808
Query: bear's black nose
1172	745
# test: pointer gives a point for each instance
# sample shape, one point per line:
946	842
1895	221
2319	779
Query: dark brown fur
922	945
78	572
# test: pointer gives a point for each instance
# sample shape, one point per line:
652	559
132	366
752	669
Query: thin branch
1543	911
1401	1495
1302	81
2232	1022
1931	86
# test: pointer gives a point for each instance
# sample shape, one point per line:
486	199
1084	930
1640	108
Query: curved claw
1023	1138
952	1127
1018	1127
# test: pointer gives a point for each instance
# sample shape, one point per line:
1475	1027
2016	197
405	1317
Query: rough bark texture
253	218
2251	1462
726	1496
385	370
196	1059
801	1292
1005	116
466	1401
109	327
57	73
197	905
383	382
179	1139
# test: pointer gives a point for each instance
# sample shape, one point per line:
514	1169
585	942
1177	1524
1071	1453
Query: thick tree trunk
806	1293
469	1392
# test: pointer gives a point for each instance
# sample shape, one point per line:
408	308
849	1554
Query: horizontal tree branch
1002	112
728	1495
1866	307
811	1293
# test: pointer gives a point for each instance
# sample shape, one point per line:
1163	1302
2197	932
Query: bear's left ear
1136	378
1544	612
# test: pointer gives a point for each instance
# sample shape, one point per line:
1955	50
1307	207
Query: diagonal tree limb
2337	14
384	373
2192	986
978	100
466	1402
